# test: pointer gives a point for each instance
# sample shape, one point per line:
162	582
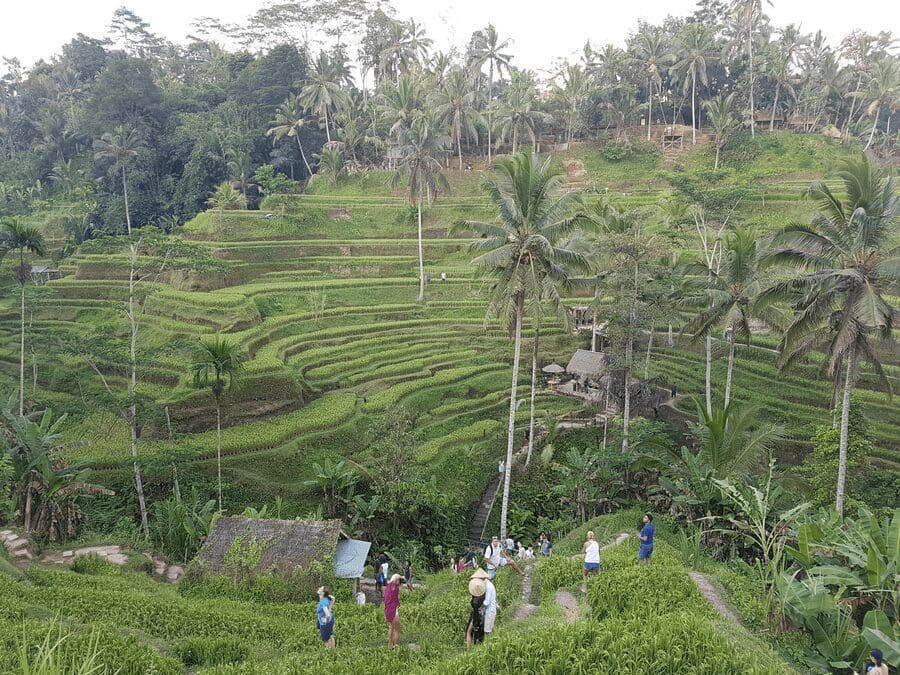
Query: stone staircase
18	548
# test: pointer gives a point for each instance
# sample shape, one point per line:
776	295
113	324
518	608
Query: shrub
93	564
645	590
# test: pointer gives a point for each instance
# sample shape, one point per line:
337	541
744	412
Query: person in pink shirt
392	609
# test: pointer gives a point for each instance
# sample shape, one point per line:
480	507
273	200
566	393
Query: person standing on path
674	391
408	573
490	600
325	616
646	537
475	627
381	571
591	552
392	609
496	557
501	467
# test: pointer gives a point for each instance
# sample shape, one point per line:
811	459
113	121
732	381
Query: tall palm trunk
626	408
459	144
219	448
594	333
327	130
718	151
694	110
132	388
303	155
511	429
852	104
670	339
606	408
708	374
649	351
750	48
649	106
728	376
490	90
774	108
845	429
125	191
421	257
22	334
534	375
874	124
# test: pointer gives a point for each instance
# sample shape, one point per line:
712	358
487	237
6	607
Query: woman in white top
591	551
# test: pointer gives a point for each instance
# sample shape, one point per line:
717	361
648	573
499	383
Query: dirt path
711	592
568	603
526	607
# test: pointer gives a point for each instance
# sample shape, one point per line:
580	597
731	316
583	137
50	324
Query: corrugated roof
350	558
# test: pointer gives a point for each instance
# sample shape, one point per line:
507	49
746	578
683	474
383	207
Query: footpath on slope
709	591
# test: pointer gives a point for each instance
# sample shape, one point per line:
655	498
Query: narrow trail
709	591
568	603
526	607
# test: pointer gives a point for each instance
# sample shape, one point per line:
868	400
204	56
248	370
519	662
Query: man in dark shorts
325	617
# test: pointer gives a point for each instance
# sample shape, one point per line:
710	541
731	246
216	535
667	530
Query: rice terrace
338	338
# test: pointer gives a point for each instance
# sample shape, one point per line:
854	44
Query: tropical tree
118	148
749	14
695	54
455	104
522	251
720	113
422	145
847	272
517	115
323	93
651	54
17	236
401	102
491	50
290	120
572	93
333	164
217	363
226	198
730	296
779	59
883	90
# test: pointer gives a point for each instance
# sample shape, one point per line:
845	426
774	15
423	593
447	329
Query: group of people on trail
591	549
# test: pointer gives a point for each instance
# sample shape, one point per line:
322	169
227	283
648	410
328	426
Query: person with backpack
325	616
496	557
475	627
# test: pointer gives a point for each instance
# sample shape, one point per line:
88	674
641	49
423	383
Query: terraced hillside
320	290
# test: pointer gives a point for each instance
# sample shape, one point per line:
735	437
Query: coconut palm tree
118	148
322	93
491	50
17	236
650	53
695	54
333	164
455	104
217	363
522	251
749	14
290	120
720	113
572	93
400	102
848	269
779	59
423	144
517	115
883	90
730	294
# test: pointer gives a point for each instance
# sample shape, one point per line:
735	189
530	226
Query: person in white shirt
510	545
490	606
591	552
529	553
495	558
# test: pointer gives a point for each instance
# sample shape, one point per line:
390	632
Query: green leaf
876	639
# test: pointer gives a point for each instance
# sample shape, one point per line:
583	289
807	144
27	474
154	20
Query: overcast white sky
37	29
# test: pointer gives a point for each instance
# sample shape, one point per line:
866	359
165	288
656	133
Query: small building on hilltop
763	119
586	364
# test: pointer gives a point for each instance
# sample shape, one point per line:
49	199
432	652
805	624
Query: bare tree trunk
626	408
132	389
774	108
459	146
670	339
845	429
421	257
511	429
750	48
303	154
718	148
594	333
125	191
534	376
872	133
327	130
649	106
649	351
728	376
22	344
489	115
27	515
175	485
219	449
708	374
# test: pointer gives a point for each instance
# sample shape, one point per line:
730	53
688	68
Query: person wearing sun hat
490	599
475	627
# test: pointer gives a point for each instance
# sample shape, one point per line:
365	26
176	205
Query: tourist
520	551
443	276
876	664
591	552
475	627
510	545
392	609
646	537
460	565
496	557
381	571
408	573
490	606
453	565
546	546
674	390
529	553
325	616
501	467
469	558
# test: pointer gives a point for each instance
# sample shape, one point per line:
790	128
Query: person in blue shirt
325	616
646	537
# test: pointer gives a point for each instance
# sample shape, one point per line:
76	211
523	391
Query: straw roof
585	363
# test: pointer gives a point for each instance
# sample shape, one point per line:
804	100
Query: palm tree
521	250
848	270
574	91
226	198
749	13
290	119
118	147
517	115
455	104
490	49
779	58
730	296
407	44
883	90
695	55
401	102
652	56
423	144
719	111
17	236
332	163
218	361
323	94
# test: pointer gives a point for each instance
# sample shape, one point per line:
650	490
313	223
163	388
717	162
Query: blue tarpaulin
350	558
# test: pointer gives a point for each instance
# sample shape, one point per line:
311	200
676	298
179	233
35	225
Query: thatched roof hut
585	363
